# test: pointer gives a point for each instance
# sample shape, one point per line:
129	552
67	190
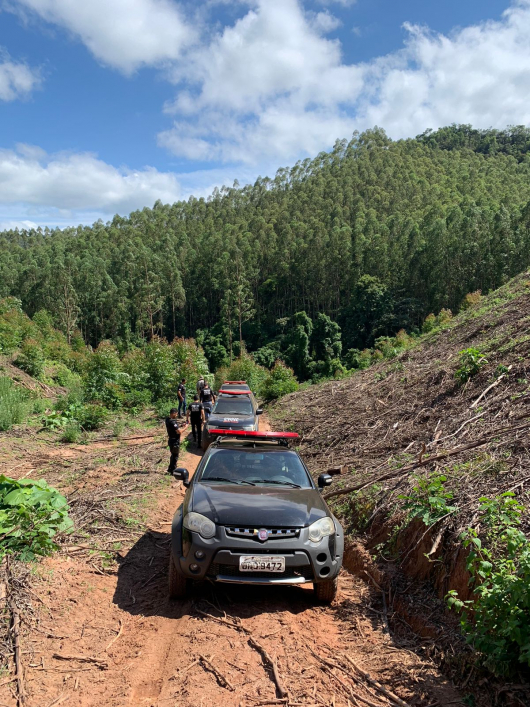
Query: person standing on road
173	438
181	393
200	385
195	414
207	399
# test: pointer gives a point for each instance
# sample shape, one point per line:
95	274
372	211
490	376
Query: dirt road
105	633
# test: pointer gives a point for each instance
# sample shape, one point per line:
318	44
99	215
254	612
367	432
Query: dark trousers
174	449
196	430
182	407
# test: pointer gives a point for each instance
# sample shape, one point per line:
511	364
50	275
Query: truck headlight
320	528
198	523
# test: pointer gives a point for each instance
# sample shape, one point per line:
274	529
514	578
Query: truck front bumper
218	558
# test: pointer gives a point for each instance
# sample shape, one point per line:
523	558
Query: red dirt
149	647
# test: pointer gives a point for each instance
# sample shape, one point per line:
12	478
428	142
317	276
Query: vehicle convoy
233	410
252	514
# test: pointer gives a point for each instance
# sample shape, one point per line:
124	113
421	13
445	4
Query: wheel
326	591
178	584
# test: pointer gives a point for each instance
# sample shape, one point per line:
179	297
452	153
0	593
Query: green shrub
39	405
71	432
428	500
243	368
31	515
444	317
471	361
14	404
472	299
497	621
162	407
91	417
280	381
31	358
266	356
429	324
63	376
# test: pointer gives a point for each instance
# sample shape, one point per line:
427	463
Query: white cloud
271	82
273	85
124	34
79	182
17	79
22	224
478	75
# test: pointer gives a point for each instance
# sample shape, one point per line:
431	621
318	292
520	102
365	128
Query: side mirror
182	475
324	480
259	411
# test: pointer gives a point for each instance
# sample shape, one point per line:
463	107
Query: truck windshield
233	406
269	468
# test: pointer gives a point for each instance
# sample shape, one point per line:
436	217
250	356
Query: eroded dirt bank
103	631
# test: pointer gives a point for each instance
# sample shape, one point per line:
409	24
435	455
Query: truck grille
252	533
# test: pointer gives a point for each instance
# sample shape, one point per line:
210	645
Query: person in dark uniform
195	414
173	438
181	393
207	400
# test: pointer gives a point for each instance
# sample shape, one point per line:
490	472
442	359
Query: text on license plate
260	563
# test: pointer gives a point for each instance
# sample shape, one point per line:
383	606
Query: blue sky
107	105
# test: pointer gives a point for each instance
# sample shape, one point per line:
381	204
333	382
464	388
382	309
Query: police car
252	514
233	410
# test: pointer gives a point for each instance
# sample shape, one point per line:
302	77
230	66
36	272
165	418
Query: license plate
260	563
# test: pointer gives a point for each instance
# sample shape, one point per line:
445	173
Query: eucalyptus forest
358	243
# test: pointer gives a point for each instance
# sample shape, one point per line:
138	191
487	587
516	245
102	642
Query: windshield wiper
230	481
281	483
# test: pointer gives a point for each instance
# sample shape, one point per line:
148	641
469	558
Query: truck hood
257	506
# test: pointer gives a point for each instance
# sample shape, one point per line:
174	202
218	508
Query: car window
235	387
233	406
262	468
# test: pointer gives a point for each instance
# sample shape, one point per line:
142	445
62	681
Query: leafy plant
31	359
471	361
62	416
31	515
71	432
14	404
428	500
497	621
280	381
91	417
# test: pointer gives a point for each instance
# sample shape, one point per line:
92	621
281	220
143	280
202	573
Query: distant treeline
374	234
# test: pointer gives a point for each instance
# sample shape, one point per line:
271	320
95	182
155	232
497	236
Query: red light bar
235	392
235	383
255	435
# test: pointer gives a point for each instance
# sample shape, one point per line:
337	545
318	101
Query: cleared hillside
423	448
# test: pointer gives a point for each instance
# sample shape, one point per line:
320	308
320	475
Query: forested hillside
374	234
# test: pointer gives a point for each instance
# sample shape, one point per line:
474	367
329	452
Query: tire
178	584
326	591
